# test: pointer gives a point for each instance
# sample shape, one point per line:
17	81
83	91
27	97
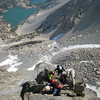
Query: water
16	14
38	1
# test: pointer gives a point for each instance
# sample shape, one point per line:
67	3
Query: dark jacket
60	69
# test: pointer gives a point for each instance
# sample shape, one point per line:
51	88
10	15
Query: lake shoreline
16	15
35	5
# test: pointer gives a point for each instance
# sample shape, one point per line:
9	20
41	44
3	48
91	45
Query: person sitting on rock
60	69
56	87
47	89
68	78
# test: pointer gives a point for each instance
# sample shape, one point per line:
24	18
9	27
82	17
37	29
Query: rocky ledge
10	88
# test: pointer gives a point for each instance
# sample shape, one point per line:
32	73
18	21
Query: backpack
60	85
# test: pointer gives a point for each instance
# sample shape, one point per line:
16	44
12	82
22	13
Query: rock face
10	84
22	3
65	17
38	96
74	20
4	5
5	30
85	31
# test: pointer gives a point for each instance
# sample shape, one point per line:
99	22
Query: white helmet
60	67
63	73
47	88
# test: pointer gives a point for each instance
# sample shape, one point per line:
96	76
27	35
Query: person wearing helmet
71	76
50	76
52	72
63	77
60	69
46	89
56	87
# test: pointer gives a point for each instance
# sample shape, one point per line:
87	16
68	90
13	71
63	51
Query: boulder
79	85
90	95
42	76
30	87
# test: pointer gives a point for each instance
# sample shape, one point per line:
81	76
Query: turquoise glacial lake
17	14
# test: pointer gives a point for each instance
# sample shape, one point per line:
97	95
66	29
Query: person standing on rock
60	69
71	76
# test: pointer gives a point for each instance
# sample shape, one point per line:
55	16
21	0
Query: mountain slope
73	22
35	21
88	28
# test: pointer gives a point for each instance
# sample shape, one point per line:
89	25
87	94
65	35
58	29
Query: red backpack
60	85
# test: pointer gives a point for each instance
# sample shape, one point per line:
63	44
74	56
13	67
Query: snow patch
34	66
52	45
40	13
12	62
1	46
12	67
94	88
79	36
77	47
86	61
98	83
57	37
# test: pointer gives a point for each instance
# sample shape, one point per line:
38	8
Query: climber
70	77
46	89
56	87
50	76
60	69
63	77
